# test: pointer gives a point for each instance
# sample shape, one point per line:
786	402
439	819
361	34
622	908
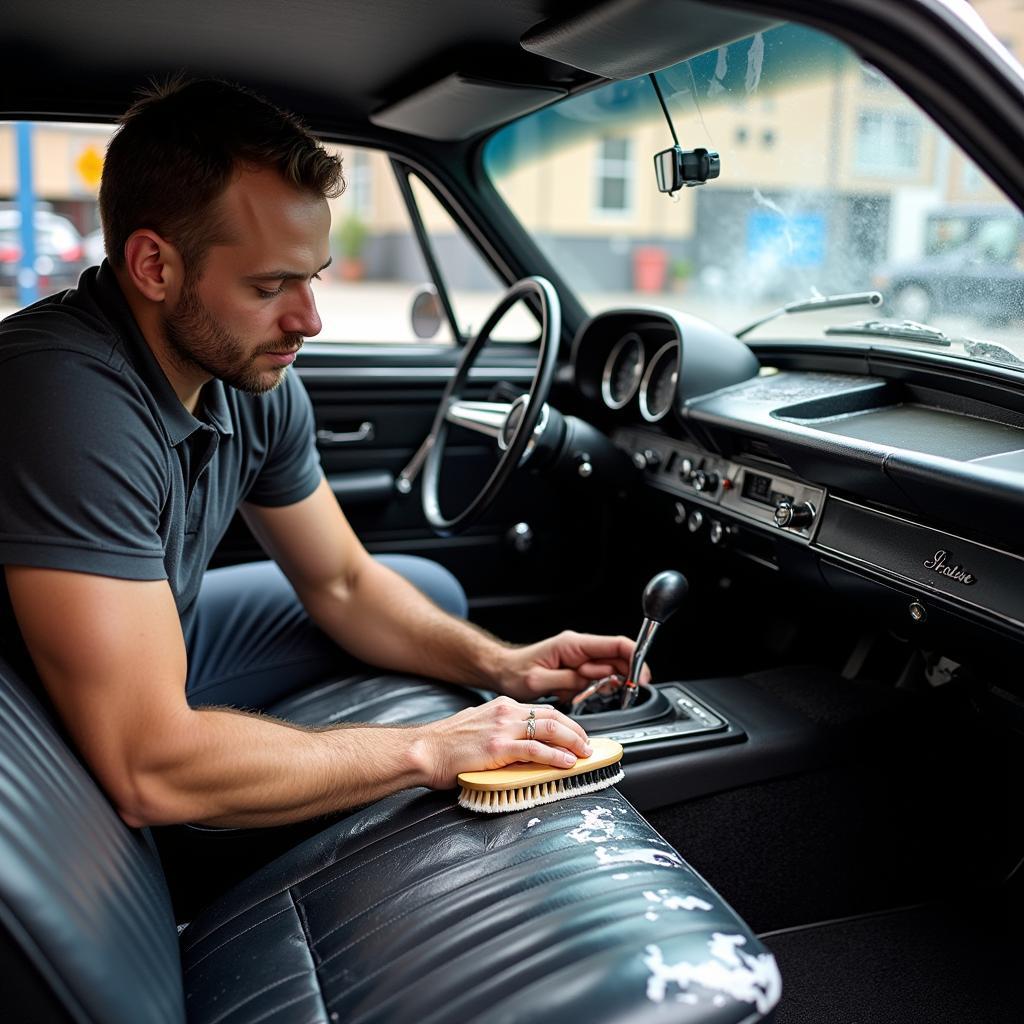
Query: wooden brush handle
512	776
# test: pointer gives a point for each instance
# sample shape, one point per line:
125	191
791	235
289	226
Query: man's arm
111	655
384	620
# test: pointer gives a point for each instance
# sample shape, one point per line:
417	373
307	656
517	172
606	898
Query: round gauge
658	388
622	371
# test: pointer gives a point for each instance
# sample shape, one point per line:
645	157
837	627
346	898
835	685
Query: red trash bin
650	269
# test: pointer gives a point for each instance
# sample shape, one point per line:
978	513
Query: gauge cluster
642	366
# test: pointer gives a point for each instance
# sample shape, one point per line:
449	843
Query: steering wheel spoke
484	417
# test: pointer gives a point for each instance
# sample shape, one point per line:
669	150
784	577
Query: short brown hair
176	151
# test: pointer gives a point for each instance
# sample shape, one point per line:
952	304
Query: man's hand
563	665
494	735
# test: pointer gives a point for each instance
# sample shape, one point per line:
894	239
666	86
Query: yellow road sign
90	165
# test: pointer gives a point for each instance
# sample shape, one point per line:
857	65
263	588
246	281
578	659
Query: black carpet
961	962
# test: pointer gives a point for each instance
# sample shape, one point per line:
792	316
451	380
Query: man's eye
266	293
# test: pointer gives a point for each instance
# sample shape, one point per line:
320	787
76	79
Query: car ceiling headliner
336	60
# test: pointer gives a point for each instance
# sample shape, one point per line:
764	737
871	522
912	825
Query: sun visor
626	38
458	107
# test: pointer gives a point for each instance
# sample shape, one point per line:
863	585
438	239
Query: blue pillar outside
28	279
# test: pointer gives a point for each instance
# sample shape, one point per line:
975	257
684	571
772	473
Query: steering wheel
513	425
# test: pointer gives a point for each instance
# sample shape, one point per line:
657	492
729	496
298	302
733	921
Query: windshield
831	181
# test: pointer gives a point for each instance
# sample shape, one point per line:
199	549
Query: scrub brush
517	787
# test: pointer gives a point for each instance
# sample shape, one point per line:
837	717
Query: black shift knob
664	594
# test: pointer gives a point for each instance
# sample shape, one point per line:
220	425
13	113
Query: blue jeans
251	642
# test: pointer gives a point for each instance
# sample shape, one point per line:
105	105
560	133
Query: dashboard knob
705	480
695	520
794	515
647	459
686	470
717	532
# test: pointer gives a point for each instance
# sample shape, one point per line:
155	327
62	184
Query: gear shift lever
662	597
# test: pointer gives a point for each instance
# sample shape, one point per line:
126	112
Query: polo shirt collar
177	422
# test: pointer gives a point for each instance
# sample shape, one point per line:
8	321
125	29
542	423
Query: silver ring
531	724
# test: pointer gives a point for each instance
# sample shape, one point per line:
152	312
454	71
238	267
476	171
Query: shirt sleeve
291	470
83	467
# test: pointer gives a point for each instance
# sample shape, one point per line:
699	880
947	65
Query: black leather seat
374	697
411	909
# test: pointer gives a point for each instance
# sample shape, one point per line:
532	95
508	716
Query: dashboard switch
705	480
647	459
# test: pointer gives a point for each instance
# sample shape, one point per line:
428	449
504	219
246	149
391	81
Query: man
143	408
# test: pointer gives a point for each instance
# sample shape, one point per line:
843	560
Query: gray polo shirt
103	470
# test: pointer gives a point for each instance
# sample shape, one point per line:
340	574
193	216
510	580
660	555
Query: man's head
177	150
214	210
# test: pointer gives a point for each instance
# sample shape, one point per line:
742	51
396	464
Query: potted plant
681	271
352	235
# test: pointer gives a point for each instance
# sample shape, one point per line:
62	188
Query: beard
198	340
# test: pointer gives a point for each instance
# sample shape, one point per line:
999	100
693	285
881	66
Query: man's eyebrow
285	275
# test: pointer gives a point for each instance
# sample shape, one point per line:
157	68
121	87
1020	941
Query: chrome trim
416	374
645	409
609	364
538	430
487	418
333	437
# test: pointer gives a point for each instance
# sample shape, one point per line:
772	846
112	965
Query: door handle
329	437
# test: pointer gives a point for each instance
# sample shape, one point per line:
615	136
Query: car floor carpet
959	961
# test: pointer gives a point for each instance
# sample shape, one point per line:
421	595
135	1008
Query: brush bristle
498	801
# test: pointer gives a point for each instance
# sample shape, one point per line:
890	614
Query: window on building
888	142
359	174
741	136
768	138
614	175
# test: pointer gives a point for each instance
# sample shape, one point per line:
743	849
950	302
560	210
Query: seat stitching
364	936
365	863
237	935
622	945
253	995
299	881
412	885
283	1006
684	929
574	877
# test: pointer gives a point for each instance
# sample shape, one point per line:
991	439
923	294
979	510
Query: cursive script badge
940	563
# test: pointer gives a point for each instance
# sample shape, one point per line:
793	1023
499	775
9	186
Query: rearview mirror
678	168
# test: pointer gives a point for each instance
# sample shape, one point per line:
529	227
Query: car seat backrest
83	899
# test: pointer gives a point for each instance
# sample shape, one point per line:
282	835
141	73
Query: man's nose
302	316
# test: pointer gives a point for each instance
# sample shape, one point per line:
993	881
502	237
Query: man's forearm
229	768
384	620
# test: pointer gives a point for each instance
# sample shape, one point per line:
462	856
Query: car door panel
373	407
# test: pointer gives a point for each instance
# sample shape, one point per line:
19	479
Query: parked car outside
973	258
59	250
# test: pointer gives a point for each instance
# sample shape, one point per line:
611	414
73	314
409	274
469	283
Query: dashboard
891	478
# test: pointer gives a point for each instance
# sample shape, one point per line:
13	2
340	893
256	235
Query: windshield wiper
821	302
990	352
908	330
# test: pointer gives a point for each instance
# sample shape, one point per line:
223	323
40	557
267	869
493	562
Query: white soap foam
731	972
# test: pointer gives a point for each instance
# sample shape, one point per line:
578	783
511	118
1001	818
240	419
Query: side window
55	170
366	295
473	286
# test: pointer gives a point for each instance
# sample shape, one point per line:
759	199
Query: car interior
817	821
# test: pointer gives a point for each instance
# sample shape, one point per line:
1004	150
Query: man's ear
153	266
